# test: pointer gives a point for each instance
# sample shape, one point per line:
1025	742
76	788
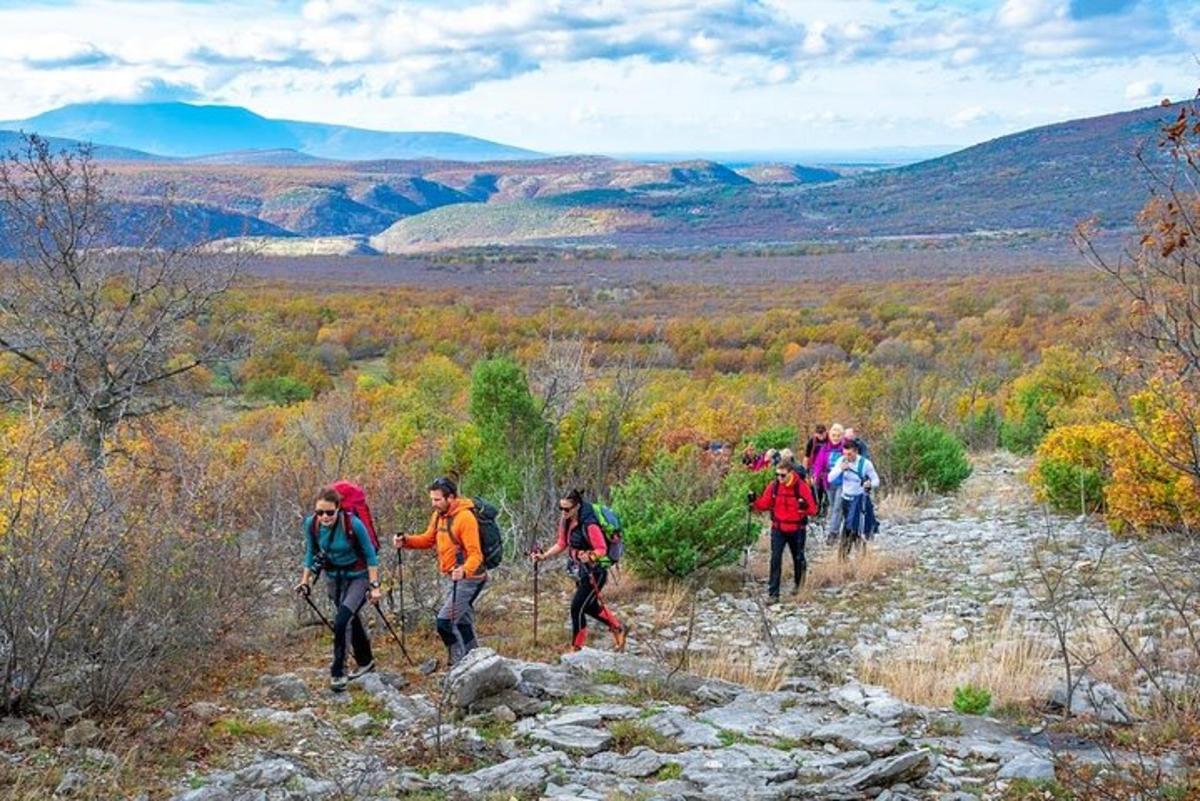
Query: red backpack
354	502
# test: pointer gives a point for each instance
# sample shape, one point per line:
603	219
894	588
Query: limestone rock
1031	766
637	764
574	739
286	687
85	732
480	674
860	733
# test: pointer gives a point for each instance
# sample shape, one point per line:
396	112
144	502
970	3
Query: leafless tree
110	332
556	380
1161	277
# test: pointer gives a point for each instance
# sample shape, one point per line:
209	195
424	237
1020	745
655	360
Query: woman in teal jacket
337	543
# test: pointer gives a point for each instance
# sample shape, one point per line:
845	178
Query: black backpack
491	541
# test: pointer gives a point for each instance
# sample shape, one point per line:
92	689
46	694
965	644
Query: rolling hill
1042	180
184	130
1038	181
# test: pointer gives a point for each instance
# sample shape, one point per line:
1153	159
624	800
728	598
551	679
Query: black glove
803	504
751	497
303	588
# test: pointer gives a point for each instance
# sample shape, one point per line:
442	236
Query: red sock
609	618
580	638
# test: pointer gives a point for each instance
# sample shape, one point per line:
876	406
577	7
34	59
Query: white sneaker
362	670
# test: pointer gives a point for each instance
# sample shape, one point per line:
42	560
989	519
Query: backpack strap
348	526
461	551
801	504
314	541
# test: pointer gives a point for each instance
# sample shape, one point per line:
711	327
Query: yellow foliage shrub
1142	484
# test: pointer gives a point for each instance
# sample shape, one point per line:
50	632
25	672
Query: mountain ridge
184	130
1040	181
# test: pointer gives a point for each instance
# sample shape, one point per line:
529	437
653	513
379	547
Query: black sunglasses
781	475
326	512
566	509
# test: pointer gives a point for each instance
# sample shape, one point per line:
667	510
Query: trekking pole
400	591
749	527
453	623
536	565
392	632
308	600
313	606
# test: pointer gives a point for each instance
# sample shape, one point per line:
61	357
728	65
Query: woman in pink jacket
829	452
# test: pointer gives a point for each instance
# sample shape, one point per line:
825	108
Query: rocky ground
664	720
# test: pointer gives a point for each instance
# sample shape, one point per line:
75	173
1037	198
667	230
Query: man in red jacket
790	502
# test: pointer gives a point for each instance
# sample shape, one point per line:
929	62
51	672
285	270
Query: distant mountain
13	141
186	130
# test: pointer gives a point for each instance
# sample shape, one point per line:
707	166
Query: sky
627	76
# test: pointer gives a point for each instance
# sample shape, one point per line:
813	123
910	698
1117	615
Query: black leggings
821	496
348	596
587	599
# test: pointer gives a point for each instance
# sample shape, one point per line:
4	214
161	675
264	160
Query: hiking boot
338	684
772	600
796	589
619	634
362	670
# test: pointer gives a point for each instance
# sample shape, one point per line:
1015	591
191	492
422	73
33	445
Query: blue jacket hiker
337	543
857	477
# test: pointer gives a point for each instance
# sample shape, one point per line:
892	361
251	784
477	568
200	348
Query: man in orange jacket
790	501
454	531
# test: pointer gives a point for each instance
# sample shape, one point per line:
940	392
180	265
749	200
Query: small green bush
925	456
678	518
971	700
1023	435
778	438
1070	487
282	390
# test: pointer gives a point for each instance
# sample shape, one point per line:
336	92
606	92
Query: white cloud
969	116
706	72
1144	91
1029	13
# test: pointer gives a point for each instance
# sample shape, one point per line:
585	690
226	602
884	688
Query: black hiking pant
821	496
348	595
795	542
586	601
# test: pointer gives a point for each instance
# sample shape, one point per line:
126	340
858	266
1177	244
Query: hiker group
341	542
833	482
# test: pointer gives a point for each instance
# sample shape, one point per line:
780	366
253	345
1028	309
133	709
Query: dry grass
671	602
864	567
735	665
1002	484
1009	661
897	506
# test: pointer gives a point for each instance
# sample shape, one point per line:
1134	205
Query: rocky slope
643	725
